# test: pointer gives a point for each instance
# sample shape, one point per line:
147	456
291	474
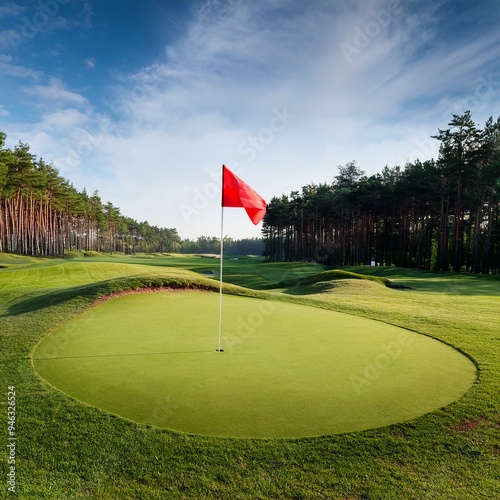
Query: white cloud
9	39
90	63
64	120
7	68
56	93
10	9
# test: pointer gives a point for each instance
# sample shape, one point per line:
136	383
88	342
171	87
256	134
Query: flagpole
235	193
220	272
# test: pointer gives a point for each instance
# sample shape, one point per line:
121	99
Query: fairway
287	370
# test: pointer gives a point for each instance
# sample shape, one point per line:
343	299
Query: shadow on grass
322	287
36	302
449	283
93	291
323	282
124	355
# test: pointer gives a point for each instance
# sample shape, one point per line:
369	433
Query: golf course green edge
101	292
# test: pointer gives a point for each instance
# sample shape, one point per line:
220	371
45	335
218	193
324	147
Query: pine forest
42	214
439	214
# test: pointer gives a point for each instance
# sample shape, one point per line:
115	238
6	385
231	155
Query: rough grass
69	450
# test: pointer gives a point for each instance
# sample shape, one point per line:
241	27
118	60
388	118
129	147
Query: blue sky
144	101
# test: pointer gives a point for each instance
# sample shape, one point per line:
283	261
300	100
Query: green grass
287	370
435	282
66	449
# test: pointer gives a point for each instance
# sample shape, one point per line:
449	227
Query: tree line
439	214
42	214
211	245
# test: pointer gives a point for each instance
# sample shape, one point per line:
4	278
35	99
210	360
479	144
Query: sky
145	100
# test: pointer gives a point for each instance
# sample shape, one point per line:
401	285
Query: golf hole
287	371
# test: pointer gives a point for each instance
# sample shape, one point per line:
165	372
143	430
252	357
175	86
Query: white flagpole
220	273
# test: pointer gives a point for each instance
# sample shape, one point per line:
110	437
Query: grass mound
323	282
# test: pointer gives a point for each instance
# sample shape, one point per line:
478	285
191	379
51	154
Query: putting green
286	371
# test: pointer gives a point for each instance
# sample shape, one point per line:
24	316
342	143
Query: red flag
235	193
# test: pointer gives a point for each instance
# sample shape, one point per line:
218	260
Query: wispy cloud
81	20
8	68
10	9
25	23
66	119
90	63
85	16
56	93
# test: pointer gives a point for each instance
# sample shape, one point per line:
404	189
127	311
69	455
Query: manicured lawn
287	370
67	449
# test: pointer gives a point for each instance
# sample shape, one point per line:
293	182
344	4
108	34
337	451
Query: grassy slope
69	450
